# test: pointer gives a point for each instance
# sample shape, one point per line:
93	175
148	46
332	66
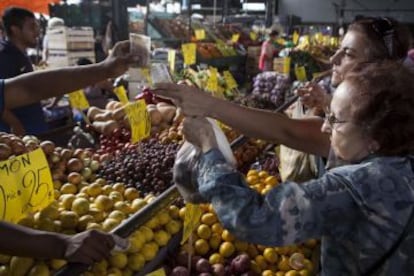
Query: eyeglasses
332	120
385	30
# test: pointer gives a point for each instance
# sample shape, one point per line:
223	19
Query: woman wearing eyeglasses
367	40
363	212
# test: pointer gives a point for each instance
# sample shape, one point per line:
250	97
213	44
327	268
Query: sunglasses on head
384	28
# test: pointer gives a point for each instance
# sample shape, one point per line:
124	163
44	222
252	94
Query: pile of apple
213	250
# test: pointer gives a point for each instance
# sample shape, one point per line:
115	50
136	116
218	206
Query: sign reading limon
139	120
77	99
26	185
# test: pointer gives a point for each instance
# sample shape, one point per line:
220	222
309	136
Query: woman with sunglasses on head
366	40
363	212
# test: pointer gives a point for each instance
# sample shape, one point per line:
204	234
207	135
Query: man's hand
199	132
121	58
89	247
192	100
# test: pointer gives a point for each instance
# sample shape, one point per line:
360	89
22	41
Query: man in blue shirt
22	32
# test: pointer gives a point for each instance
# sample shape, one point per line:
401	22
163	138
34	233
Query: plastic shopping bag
186	164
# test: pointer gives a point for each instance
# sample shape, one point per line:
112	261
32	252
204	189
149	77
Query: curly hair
389	39
383	103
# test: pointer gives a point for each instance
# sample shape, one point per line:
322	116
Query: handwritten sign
300	73
171	60
295	37
121	93
286	65
77	99
158	272
189	53
235	38
139	119
191	220
231	82
253	36
26	185
200	34
212	83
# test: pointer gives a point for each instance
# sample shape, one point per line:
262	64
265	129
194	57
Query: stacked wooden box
67	45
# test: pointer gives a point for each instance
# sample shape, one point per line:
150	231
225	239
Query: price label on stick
189	53
200	34
121	93
26	185
295	37
158	272
235	38
253	36
139	119
286	66
212	83
191	220
300	73
78	100
171	60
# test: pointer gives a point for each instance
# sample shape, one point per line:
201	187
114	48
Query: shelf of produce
223	62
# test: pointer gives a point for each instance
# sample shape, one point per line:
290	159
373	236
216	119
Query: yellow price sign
253	36
212	82
235	38
77	99
300	73
171	60
145	72
286	65
191	220
189	53
200	34
295	37
121	93
231	82
281	41
139	120
26	185
158	272
318	37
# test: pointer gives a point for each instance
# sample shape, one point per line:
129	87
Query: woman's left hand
199	132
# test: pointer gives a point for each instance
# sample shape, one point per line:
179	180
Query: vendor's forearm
16	240
36	86
301	134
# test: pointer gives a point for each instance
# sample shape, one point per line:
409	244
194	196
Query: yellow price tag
235	38
189	53
318	37
200	34
300	73
281	41
253	36
121	93
295	37
26	185
286	65
212	83
139	119
158	272
78	100
171	60
191	220
147	75
231	82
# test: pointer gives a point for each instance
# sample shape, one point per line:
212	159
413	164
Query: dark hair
274	33
84	61
389	39
382	102
14	16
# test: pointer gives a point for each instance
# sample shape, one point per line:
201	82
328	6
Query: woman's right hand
313	95
191	100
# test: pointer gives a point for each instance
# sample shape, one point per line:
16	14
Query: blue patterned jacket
358	211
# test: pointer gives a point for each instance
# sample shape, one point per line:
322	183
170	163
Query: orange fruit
215	241
252	172
204	231
267	273
270	255
201	247
217	228
226	236
261	262
208	218
263	174
182	213
131	193
241	246
216	258
227	249
174	212
271	180
252	179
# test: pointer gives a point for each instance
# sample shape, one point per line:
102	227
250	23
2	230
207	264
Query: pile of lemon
211	241
97	205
